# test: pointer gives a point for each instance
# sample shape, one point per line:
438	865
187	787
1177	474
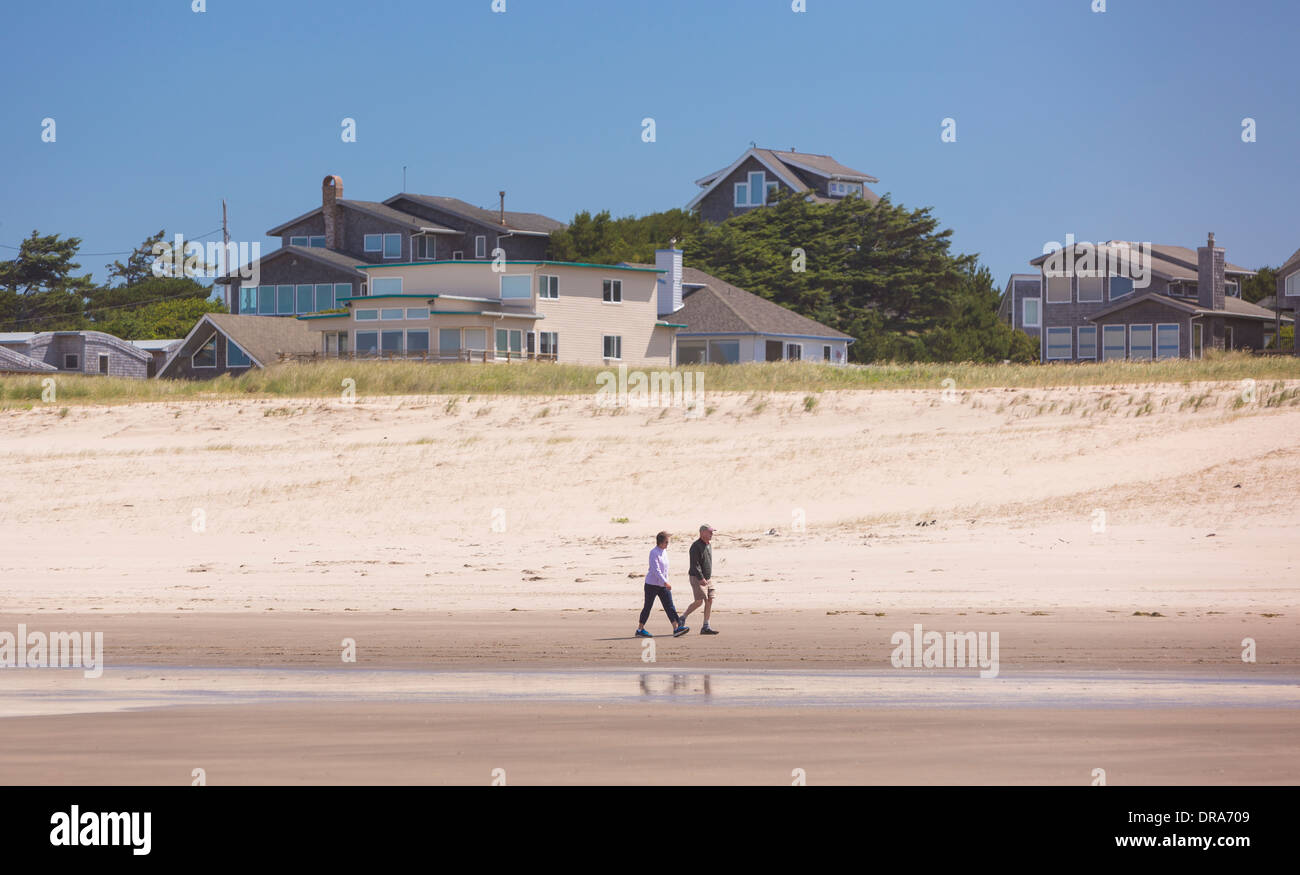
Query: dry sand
486	534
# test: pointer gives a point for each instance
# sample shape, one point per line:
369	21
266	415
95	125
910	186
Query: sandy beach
1123	543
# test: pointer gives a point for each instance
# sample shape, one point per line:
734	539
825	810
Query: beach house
1125	300
750	181
76	352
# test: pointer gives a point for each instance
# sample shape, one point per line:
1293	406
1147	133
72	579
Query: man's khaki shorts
697	584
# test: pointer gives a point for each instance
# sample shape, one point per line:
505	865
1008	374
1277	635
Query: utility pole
225	252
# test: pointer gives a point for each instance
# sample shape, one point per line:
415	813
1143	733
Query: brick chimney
331	191
1211	279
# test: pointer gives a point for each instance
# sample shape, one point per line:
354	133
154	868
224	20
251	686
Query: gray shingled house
81	352
1288	289
1191	302
13	362
718	323
750	180
321	249
222	343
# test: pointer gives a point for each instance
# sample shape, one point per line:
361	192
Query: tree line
42	289
880	272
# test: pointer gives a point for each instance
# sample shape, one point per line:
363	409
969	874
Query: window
1120	287
448	341
458	255
306	299
318	243
690	353
826	353
284	300
612	292
1293	285
1059	289
389	314
417	342
299	241
374	243
548	287
1031	317
248	299
1060	344
548	343
754	192
724	352
1168	345
1232	290
103	363
476	339
517	286
1092	289
341	291
480	247
367	342
386	285
793	352
236	357
1112	343
510	342
392	246
1088	342
613	347
844	189
391	342
417	313
71	362
325	297
266	300
1139	342
366	315
206	355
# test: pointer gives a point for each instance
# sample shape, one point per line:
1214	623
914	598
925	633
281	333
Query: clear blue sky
1122	125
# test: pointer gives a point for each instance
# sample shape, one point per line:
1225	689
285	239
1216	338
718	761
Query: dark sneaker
642	633
707	631
680	631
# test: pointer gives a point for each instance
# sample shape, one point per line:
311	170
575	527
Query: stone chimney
1211	279
331	192
670	282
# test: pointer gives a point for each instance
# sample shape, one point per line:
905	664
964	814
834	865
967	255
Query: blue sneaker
642	633
681	630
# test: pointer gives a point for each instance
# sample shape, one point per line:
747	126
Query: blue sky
1121	125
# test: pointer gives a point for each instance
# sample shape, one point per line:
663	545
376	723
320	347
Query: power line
124	252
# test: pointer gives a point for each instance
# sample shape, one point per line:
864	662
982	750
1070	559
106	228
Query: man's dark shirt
702	560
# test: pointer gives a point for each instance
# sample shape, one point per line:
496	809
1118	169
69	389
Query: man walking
658	587
701	574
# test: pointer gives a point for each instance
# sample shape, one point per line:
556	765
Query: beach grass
371	379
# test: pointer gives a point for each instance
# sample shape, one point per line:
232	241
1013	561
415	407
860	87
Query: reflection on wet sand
676	684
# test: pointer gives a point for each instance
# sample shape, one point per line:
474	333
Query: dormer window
755	191
844	189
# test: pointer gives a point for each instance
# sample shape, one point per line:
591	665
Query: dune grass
370	379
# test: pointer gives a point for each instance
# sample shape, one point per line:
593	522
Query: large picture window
325	297
724	352
417	342
1120	287
266	300
386	285
1092	289
306	299
752	192
236	357
518	286
367	342
284	300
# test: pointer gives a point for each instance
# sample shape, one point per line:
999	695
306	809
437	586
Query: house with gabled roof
322	247
1162	301
225	343
1288	290
751	180
718	323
